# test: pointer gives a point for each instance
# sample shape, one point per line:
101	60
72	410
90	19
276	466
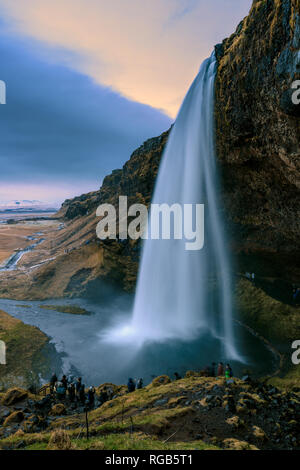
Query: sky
89	80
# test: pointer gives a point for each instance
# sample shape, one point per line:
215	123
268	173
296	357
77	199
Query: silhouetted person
220	369
228	372
60	391
177	376
296	292
91	397
131	385
78	387
64	381
213	369
110	393
103	397
53	381
71	392
140	384
82	394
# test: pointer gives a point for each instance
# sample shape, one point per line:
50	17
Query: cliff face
258	135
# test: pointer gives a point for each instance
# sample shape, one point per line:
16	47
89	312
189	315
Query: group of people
250	276
219	370
73	389
215	370
132	385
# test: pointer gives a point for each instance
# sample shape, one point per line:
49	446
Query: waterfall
183	294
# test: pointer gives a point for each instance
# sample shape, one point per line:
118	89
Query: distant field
19	215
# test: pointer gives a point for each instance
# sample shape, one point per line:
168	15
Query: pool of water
78	339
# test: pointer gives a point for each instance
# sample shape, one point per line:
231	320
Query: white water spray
183	294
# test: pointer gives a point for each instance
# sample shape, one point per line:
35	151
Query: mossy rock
192	373
235	444
161	380
60	440
235	422
13	418
58	410
14	395
259	434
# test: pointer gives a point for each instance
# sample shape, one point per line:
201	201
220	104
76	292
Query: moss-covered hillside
191	413
24	344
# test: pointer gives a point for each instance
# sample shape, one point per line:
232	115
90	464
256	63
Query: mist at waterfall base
79	352
184	295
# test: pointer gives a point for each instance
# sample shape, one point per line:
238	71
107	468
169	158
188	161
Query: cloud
59	129
148	51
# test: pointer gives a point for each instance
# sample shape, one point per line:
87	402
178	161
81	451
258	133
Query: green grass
138	441
72	309
290	380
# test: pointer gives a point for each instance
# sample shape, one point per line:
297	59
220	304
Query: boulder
14	395
14	418
58	410
235	444
59	440
161	402
235	422
4	413
161	380
259	434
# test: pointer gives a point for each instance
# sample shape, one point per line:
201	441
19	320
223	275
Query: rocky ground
191	413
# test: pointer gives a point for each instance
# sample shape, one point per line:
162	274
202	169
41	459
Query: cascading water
182	294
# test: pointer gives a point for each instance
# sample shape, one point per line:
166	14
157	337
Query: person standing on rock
64	381
71	392
82	394
228	372
140	384
53	381
78	388
220	369
91	397
103	396
212	372
177	376
131	385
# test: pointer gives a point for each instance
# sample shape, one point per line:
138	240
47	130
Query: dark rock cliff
258	135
